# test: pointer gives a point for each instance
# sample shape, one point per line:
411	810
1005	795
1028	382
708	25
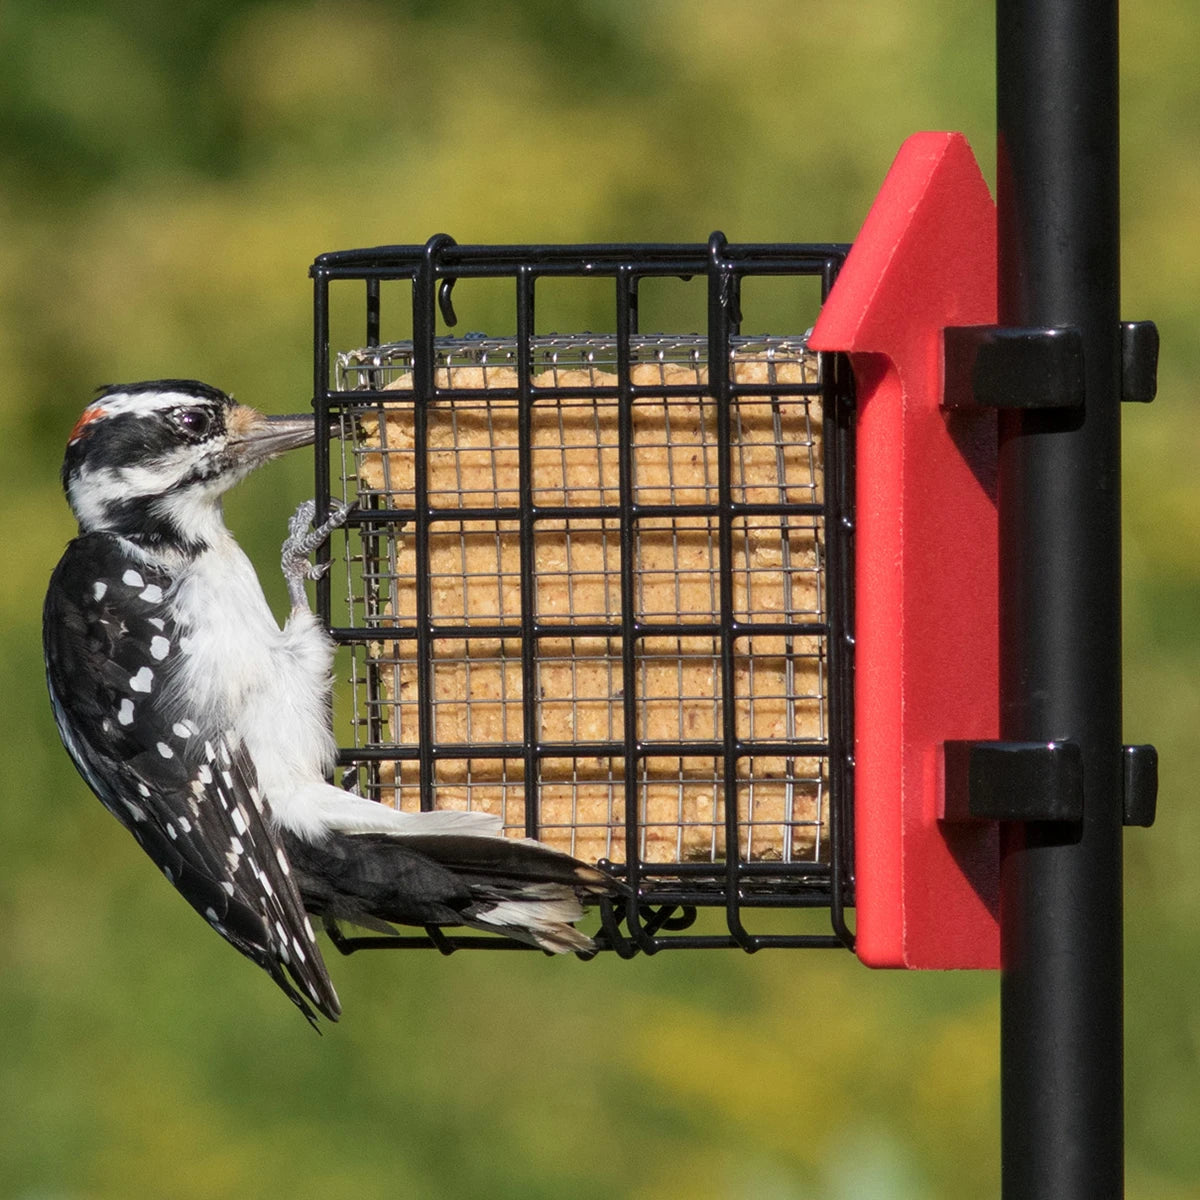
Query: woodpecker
203	726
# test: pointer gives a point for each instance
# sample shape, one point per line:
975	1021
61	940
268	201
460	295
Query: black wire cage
601	584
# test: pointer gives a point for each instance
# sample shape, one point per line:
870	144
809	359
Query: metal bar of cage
665	896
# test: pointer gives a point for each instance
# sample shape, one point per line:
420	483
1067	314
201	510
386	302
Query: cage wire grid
601	584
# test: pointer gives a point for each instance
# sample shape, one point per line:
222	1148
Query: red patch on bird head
91	413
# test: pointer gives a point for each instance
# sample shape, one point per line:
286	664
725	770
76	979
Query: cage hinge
997	366
1013	781
1141	784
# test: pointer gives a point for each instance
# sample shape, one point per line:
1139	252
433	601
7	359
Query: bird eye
195	421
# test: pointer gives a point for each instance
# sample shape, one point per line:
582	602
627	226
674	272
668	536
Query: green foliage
167	173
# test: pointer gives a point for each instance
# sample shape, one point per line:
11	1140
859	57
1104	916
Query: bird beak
255	437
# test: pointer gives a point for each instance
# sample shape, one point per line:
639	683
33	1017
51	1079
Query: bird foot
302	539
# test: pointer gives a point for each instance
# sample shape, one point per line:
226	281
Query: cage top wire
356	368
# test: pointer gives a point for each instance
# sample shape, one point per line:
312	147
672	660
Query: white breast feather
242	673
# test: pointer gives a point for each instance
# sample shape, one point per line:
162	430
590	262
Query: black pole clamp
1038	781
995	366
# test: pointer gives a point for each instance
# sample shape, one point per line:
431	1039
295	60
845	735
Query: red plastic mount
927	644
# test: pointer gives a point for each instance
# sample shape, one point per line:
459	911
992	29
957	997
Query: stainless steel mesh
587	522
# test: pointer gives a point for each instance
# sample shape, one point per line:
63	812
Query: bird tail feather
514	886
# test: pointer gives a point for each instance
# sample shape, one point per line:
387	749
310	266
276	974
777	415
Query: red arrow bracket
926	585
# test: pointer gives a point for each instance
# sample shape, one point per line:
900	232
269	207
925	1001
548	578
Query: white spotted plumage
117	641
203	725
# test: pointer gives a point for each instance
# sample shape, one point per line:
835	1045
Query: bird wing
187	794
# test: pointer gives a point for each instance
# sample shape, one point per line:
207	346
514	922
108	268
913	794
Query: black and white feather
187	794
202	725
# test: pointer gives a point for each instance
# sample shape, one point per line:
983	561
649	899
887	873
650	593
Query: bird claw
302	539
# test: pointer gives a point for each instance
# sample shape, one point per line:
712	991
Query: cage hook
612	913
433	250
440	941
444	303
730	283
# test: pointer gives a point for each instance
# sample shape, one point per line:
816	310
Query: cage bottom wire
597	605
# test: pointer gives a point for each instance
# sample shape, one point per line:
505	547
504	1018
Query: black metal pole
1061	905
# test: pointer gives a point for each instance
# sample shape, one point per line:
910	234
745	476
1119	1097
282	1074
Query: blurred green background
168	173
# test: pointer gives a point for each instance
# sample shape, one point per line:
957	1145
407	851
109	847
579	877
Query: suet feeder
812	622
689	604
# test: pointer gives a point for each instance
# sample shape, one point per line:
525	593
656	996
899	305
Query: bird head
151	460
